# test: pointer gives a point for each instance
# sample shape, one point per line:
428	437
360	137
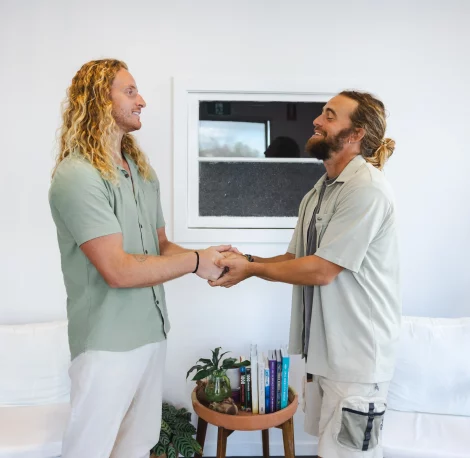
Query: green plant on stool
218	384
176	433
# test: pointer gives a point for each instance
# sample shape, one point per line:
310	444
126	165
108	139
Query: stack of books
264	385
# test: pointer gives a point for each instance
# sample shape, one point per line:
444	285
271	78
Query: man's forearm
308	270
139	271
168	248
280	258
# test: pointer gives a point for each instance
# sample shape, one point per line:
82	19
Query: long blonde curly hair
87	122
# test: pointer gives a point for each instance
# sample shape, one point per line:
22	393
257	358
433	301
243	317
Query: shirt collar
350	170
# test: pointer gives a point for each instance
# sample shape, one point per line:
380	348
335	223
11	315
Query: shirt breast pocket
321	223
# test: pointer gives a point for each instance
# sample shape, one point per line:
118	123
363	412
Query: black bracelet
197	262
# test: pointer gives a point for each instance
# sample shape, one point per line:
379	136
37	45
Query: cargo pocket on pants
359	422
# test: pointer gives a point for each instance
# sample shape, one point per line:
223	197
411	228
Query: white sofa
34	389
429	398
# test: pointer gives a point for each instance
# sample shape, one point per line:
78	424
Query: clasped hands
223	265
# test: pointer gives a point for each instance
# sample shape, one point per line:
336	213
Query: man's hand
208	259
238	270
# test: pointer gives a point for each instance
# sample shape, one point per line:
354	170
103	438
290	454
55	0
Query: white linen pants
116	403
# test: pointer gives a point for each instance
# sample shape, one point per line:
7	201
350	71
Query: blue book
267	385
285	377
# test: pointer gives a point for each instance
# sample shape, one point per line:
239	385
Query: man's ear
358	135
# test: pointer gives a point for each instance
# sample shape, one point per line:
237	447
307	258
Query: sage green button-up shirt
84	207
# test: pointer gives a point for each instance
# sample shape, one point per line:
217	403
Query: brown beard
322	149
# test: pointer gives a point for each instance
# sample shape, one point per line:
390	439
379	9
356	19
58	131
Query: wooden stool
246	421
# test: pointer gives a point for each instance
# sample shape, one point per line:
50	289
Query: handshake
222	265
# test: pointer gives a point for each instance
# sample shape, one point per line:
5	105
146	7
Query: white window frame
189	226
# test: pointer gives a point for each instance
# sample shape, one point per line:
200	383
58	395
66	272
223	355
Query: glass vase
218	386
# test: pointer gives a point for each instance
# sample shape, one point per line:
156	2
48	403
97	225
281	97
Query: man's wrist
249	258
197	262
252	269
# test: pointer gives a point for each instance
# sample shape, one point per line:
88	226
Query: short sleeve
295	236
79	197
357	220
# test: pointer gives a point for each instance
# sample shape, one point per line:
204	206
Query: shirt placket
140	220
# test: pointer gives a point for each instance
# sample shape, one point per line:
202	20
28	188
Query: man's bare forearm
307	270
139	271
168	248
280	258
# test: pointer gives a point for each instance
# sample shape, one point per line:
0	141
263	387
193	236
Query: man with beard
343	262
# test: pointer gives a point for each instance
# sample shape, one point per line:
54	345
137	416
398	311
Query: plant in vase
215	370
176	434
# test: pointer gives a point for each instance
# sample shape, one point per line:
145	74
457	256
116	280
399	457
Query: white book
261	384
254	379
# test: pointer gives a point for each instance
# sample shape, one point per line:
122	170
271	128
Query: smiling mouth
318	134
136	113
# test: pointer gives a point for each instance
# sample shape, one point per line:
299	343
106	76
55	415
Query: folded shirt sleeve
80	198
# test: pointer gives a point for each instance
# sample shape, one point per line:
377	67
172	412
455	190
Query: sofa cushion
431	373
32	432
34	362
424	435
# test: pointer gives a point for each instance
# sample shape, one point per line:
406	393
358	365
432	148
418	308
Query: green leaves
171	451
206	367
164	438
176	433
185	445
240	364
182	426
159	449
166	427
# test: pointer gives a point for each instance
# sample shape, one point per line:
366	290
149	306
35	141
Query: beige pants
346	417
116	400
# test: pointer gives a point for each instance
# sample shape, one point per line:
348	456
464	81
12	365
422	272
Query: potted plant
218	384
176	434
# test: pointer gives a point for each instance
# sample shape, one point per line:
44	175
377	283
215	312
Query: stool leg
222	442
288	437
265	435
201	434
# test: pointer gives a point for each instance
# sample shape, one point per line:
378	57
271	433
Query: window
240	167
232	138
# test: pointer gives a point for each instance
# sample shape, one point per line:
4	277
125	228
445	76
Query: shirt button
126	175
146	252
141	226
158	302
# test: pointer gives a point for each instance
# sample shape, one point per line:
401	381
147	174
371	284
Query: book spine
242	387
261	385
267	388
273	384
278	380
285	382
248	390
254	380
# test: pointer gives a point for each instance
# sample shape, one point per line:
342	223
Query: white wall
414	55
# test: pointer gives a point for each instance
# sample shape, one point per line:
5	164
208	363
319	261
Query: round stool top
246	421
